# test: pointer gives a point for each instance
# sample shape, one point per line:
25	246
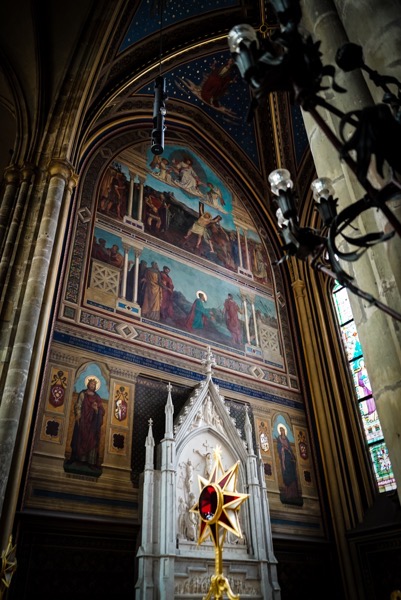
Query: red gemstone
208	501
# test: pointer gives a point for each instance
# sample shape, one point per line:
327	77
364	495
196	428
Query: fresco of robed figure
286	458
85	445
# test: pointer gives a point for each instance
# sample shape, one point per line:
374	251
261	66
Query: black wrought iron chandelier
159	113
290	61
160	97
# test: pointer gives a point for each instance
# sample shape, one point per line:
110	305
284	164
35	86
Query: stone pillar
377	28
140	199
124	273
60	172
137	255
11	179
375	273
380	38
333	456
131	194
246	319
14	226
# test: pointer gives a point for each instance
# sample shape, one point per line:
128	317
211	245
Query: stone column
239	248
124	273
374	273
131	194
11	179
14	226
137	256
13	486
14	391
140	199
380	38
376	26
246	319
333	456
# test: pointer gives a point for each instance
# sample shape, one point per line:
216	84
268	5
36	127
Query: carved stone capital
59	167
299	287
27	171
12	174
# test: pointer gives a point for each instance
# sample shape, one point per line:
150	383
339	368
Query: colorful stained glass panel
361	379
351	341
342	306
370	420
367	406
382	466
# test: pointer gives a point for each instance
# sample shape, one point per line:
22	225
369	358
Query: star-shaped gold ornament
219	502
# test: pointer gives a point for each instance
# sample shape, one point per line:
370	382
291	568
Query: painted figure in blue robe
198	314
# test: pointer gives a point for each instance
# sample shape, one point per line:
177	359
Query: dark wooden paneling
74	560
307	570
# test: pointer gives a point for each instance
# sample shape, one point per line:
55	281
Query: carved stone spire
150	447
169	410
248	432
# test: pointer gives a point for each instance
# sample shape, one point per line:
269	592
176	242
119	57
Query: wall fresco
193	300
85	445
184	203
286	461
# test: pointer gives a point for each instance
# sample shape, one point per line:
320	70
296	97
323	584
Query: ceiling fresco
204	77
152	15
214	85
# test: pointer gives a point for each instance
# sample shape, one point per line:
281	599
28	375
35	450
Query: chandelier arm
319	101
351	256
347	282
382	81
291	62
334	140
362	242
375	196
336	272
392	219
334	253
368	240
355	210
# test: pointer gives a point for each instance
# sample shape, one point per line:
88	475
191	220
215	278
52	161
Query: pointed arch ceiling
187	44
206	123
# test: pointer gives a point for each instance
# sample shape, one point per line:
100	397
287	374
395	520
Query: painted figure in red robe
89	412
234	326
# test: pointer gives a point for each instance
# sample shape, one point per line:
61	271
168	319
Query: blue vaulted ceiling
184	81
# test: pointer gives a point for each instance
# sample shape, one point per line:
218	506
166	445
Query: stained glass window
363	392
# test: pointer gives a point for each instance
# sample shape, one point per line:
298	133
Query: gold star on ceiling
219	503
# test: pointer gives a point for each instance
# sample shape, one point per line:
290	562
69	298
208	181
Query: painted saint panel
286	460
85	446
